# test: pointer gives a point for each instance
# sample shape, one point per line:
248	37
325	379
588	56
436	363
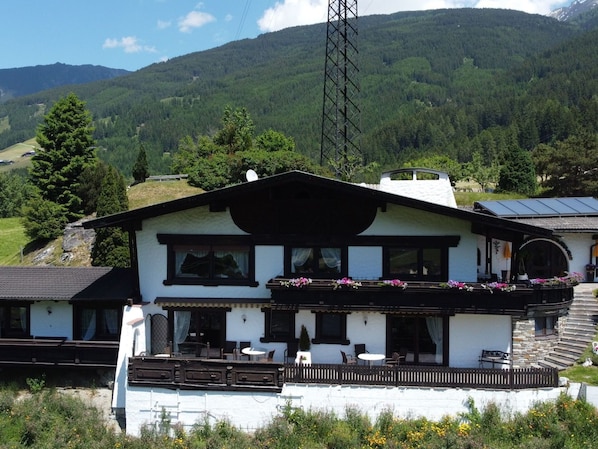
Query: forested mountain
432	82
22	81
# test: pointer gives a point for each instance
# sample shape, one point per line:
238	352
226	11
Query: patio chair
395	360
270	356
230	349
347	360
359	349
244	344
291	351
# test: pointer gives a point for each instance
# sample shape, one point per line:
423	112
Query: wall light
244	317
365	319
49	310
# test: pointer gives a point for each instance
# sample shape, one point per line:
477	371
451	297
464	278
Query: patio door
196	329
420	339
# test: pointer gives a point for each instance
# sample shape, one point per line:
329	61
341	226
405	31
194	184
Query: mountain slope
22	81
575	9
430	81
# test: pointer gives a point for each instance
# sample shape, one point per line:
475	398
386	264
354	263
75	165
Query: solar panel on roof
539	207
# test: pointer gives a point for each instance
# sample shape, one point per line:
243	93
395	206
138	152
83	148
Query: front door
419	339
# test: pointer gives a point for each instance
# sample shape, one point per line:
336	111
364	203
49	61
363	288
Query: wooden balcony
233	375
16	352
427	297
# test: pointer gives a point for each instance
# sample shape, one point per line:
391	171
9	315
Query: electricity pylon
340	146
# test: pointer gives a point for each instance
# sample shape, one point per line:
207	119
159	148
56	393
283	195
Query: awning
178	302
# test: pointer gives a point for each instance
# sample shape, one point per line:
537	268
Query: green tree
482	173
518	173
111	247
572	168
237	130
90	185
43	219
14	192
141	167
65	137
271	140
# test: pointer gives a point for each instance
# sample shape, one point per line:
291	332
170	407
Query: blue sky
131	34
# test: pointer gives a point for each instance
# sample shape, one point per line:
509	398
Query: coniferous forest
452	82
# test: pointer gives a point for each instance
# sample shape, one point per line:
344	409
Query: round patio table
371	357
253	352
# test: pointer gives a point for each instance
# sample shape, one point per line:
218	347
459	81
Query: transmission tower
340	145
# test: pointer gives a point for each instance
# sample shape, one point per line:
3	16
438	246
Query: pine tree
111	247
141	168
518	174
68	147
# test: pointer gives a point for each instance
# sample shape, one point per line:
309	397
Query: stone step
549	364
573	345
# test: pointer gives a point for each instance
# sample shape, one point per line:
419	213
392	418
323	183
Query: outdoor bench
494	357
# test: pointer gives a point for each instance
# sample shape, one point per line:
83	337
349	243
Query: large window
100	323
424	264
331	328
279	325
316	261
14	321
209	260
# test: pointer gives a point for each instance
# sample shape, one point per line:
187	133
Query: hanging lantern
506	251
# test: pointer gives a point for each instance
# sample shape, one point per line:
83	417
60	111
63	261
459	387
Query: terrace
234	375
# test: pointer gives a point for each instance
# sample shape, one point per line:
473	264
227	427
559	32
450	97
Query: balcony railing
58	352
436	297
181	373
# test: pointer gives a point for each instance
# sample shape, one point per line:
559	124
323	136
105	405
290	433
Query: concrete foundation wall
250	411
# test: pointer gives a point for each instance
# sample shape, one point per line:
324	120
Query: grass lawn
12	240
153	192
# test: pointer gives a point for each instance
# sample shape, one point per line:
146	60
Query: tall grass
49	419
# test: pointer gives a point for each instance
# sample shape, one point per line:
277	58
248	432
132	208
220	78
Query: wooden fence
423	376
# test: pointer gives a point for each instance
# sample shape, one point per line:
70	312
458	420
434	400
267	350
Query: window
316	261
14	321
331	328
97	323
424	264
546	325
209	260
279	325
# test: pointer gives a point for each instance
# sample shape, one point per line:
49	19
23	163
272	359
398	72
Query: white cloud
287	13
194	19
163	24
130	44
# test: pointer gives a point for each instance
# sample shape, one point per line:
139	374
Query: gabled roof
66	283
219	198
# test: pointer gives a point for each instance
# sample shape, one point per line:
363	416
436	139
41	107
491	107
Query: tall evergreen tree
141	167
518	173
111	247
67	145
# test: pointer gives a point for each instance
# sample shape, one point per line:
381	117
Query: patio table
253	353
371	357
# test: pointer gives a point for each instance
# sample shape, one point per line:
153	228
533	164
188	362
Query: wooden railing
58	352
184	373
423	376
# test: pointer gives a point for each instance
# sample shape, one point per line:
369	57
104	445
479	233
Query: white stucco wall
403	221
469	334
250	411
58	323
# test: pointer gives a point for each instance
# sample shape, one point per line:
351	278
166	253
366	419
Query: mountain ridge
21	81
430	81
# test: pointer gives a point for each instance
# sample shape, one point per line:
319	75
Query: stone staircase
577	330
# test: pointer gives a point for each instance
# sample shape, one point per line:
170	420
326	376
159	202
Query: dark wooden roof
66	283
272	185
